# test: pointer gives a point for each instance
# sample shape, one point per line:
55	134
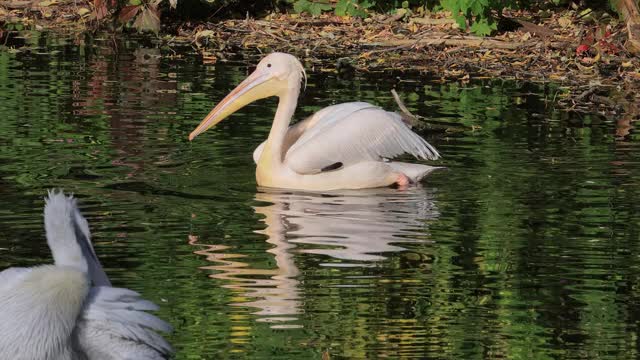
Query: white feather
115	319
351	134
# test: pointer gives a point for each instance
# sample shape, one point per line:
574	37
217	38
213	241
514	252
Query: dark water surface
526	247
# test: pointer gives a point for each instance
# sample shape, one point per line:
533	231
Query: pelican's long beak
251	89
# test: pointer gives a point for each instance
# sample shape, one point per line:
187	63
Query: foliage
312	7
143	15
356	8
476	13
353	8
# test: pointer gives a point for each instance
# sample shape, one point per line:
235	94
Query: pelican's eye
268	65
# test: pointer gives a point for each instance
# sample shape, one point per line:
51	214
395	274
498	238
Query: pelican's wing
296	130
115	323
11	277
38	311
350	133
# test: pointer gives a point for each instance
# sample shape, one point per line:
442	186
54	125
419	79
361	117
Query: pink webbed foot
403	181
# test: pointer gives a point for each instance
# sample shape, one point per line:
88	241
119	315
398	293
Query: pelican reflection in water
345	228
344	146
69	310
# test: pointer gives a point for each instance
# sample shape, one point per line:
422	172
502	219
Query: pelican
69	310
344	146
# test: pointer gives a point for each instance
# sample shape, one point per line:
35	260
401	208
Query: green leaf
352	8
318	8
365	4
341	7
483	27
478	7
313	8
301	6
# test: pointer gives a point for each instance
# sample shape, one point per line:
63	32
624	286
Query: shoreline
598	77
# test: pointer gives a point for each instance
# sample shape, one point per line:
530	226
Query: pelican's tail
115	322
415	172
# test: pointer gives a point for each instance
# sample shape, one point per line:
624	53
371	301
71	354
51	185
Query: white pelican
343	146
69	310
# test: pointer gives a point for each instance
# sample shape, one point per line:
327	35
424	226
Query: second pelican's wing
116	325
38	311
351	133
10	277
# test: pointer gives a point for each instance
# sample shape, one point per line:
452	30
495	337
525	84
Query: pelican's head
277	74
69	238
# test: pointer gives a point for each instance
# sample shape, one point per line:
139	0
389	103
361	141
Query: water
525	247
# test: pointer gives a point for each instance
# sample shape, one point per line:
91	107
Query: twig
398	16
430	21
586	94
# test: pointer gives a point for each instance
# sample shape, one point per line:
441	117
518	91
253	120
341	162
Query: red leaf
101	9
582	49
128	12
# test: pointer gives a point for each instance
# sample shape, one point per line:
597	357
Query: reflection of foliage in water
533	254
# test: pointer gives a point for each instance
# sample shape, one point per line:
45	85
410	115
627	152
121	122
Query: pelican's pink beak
250	90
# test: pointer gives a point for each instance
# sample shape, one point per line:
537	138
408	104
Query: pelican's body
69	310
345	146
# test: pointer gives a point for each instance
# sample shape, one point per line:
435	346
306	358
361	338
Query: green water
526	247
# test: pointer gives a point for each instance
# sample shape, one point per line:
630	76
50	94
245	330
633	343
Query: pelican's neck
284	113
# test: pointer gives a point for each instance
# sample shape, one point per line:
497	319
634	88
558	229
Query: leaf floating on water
208	58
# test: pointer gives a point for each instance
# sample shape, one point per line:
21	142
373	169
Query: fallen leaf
204	34
47	3
101	9
83	11
148	20
564	21
326	34
127	13
582	48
